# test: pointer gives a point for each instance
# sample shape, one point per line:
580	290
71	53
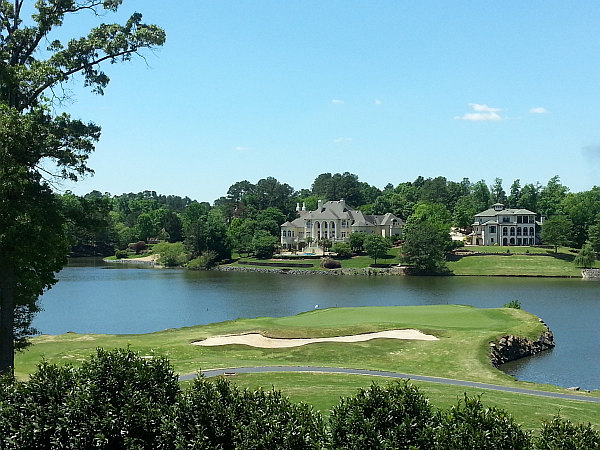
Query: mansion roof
339	210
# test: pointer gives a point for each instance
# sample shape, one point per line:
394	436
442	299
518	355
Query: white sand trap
258	340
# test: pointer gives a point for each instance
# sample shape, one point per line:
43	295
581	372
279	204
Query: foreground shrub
470	425
562	434
393	416
220	415
115	400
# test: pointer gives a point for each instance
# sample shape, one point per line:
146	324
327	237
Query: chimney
320	205
303	206
297	207
343	204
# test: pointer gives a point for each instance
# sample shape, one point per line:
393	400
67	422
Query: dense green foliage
39	146
376	246
396	416
118	399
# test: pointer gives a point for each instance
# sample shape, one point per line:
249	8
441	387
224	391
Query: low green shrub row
119	400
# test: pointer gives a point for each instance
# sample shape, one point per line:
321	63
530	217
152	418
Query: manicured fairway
323	391
461	353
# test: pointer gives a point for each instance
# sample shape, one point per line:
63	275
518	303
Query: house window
492	240
492	228
518	241
343	234
504	231
344	224
531	232
518	231
525	231
512	231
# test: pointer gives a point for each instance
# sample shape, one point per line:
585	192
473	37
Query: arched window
531	232
518	231
504	231
512	231
525	231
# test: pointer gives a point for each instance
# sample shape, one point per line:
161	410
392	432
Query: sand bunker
258	340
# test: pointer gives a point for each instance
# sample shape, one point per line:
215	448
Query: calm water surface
93	297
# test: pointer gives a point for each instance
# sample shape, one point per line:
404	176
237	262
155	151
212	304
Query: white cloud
337	101
378	102
241	149
482	113
538	110
341	140
483	108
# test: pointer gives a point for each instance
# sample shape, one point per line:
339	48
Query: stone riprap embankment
368	271
511	347
590	274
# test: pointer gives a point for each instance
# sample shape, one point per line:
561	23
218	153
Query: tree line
118	399
248	217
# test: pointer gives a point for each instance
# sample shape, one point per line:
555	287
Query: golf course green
461	352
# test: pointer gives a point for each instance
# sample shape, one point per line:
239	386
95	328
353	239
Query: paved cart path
378	373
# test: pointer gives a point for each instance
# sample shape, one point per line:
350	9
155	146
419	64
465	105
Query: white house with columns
501	226
335	220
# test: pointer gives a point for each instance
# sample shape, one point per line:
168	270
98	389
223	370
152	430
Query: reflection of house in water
500	226
334	220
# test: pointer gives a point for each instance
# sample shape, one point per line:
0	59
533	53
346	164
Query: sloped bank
511	347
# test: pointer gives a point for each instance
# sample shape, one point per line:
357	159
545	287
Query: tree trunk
7	315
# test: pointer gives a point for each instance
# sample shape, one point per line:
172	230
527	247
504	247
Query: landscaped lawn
549	264
361	261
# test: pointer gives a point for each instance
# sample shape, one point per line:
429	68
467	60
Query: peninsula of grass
462	351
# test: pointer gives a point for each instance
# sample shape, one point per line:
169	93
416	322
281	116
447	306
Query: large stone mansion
335	221
501	226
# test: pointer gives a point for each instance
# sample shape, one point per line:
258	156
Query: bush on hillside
330	263
342	249
138	247
206	261
470	425
394	416
562	433
217	414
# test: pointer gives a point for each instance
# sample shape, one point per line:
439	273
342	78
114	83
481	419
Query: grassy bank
481	261
519	261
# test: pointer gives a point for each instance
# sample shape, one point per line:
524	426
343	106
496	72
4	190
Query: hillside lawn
538	262
519	261
461	353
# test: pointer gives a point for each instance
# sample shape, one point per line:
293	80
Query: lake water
94	297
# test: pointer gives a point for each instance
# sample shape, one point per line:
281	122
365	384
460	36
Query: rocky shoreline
511	347
590	274
367	271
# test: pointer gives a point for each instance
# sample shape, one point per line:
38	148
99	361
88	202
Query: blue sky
388	90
